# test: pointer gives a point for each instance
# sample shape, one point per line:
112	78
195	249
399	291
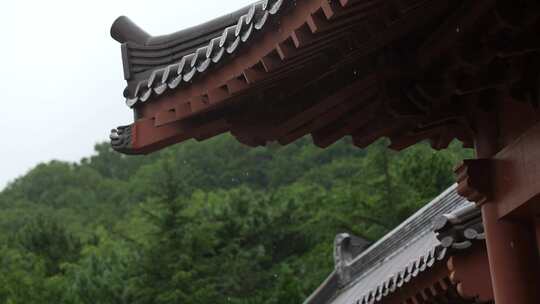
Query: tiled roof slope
326	68
401	255
408	70
154	65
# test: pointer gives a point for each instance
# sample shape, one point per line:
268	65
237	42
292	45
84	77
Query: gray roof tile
404	253
184	55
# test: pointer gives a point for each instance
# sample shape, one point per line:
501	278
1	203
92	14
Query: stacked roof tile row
461	228
401	255
151	70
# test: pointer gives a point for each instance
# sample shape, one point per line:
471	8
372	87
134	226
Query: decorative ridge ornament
121	139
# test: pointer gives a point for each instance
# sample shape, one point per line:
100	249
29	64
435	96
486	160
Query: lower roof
404	253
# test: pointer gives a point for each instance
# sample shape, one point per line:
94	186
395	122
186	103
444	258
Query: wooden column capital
474	180
510	178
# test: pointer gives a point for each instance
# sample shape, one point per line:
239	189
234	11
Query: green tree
204	222
50	241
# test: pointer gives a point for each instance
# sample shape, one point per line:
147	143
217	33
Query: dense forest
210	222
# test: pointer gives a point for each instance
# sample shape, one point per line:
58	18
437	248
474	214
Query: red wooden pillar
537	222
512	254
511	245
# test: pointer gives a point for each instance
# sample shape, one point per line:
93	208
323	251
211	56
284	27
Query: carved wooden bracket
474	180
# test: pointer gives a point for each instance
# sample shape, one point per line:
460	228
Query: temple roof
420	243
155	64
277	70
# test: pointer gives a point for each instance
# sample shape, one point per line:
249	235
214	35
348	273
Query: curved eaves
165	69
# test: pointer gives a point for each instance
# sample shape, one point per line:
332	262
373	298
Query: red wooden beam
452	30
516	176
358	118
358	89
147	137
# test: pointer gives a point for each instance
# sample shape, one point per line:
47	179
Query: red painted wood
470	272
218	94
512	252
147	137
359	88
516	179
537	223
302	36
513	259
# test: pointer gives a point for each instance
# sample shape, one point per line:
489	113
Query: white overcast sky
61	76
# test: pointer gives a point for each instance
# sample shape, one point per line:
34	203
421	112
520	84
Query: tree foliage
209	222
